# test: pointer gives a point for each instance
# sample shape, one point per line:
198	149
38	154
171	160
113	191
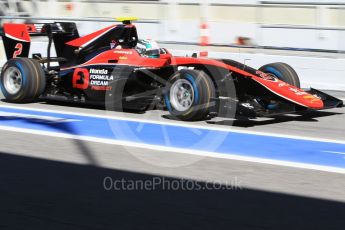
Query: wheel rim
181	95
12	80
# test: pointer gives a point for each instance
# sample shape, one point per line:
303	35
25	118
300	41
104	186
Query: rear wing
17	37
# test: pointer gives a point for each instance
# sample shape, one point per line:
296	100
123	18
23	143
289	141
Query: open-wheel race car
112	66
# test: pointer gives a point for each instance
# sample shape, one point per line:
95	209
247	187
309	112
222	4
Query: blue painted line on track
225	142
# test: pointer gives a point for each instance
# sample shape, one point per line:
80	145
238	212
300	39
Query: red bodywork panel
125	57
87	39
17	32
80	42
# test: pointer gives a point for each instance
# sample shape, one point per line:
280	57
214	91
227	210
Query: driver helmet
148	48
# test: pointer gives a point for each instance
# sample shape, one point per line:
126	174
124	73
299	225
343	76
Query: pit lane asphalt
28	188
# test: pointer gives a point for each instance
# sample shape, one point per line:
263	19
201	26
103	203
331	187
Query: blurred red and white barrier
204	34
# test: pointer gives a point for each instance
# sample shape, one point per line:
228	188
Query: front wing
225	106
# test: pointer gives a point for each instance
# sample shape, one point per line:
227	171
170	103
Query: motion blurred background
299	24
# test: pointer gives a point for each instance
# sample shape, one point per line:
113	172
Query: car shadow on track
59	126
246	122
43	194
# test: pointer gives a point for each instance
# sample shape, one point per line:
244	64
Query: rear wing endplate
17	37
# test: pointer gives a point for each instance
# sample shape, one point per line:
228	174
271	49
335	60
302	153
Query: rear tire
283	72
22	80
189	95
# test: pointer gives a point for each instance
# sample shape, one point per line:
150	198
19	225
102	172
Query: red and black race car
110	66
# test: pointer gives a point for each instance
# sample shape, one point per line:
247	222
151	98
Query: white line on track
178	150
342	153
179	124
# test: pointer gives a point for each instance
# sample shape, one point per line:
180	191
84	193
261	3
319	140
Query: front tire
189	95
22	80
283	72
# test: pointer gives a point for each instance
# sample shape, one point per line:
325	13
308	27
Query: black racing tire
22	80
283	72
199	90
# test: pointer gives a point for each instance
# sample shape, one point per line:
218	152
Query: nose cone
290	92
